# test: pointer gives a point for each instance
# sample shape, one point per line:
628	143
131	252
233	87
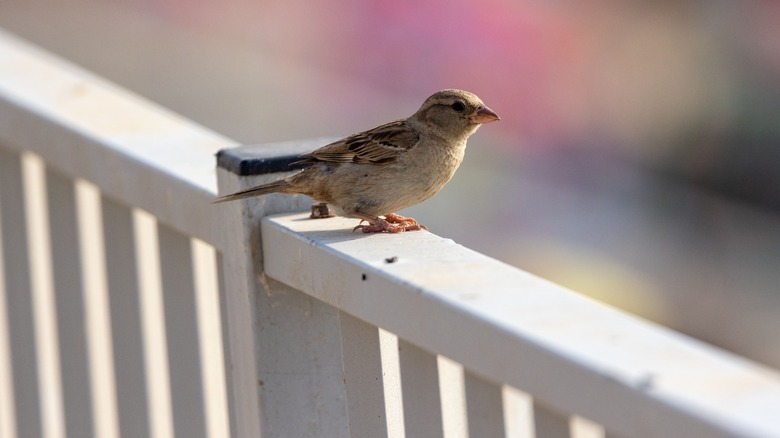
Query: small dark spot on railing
392	259
364	277
646	382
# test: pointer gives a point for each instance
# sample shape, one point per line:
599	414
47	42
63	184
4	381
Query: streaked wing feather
380	145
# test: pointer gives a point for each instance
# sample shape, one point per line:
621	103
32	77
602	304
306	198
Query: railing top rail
134	150
568	351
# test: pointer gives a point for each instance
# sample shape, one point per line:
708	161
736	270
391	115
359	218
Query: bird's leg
378	225
320	210
395	218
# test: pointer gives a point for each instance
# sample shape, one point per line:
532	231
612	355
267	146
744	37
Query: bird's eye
458	106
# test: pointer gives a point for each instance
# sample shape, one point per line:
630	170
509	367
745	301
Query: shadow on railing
131	306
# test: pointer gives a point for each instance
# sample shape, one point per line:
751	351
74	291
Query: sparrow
372	174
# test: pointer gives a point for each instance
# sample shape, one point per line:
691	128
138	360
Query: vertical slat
484	408
7	405
121	273
181	326
18	295
549	423
44	302
391	382
97	310
581	427
453	398
153	324
69	292
208	305
363	378
420	391
518	413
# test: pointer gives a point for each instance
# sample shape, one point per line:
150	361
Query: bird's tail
272	187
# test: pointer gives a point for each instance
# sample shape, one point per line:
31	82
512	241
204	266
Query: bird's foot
395	218
392	223
383	226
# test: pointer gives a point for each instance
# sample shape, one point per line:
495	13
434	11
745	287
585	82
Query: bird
373	174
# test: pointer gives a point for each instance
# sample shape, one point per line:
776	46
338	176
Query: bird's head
454	114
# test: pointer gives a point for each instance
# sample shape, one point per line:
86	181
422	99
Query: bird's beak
484	115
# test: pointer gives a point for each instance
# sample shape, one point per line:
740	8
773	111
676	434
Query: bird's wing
381	145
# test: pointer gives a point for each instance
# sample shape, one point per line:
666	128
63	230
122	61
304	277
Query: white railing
131	306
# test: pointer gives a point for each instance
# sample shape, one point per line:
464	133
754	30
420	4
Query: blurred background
638	156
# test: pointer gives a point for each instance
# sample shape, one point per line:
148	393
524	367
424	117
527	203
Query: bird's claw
409	222
392	223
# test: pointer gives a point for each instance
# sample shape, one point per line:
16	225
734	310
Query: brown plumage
388	168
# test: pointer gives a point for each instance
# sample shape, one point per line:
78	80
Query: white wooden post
283	355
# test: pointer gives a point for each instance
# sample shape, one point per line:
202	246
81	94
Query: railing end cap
266	158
